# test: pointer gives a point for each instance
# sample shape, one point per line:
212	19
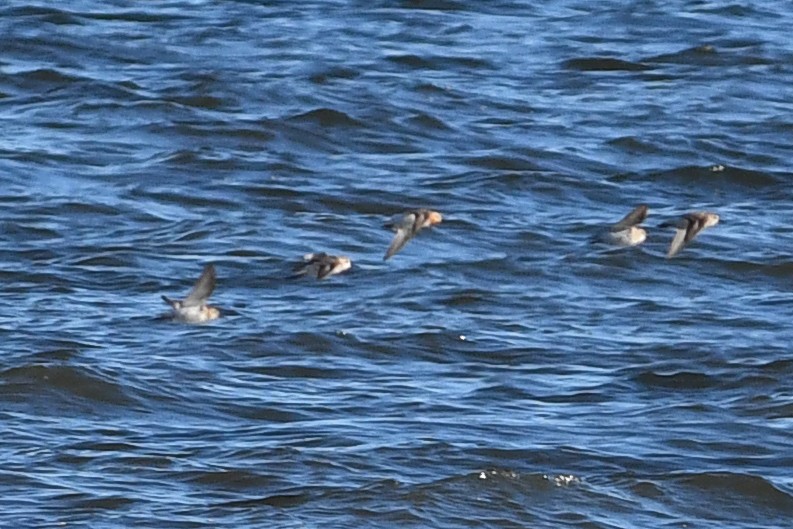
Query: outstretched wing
403	235
633	218
695	224
680	239
405	229
202	289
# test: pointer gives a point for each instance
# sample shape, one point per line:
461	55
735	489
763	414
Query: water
500	371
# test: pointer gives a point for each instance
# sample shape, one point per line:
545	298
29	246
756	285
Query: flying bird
194	308
627	232
322	265
687	227
408	225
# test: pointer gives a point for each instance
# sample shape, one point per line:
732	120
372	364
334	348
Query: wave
80	382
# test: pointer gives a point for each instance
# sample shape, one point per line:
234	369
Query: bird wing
305	265
694	225
324	269
202	289
680	239
403	235
633	218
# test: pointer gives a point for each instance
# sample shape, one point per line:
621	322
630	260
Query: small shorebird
627	232
322	265
687	227
193	308
408	225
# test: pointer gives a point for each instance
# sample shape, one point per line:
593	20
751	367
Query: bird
407	226
687	227
627	232
193	308
322	265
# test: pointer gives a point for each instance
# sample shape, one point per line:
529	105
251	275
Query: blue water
501	371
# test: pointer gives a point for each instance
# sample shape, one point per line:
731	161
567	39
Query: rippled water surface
501	371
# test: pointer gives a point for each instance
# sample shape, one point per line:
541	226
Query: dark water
500	372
